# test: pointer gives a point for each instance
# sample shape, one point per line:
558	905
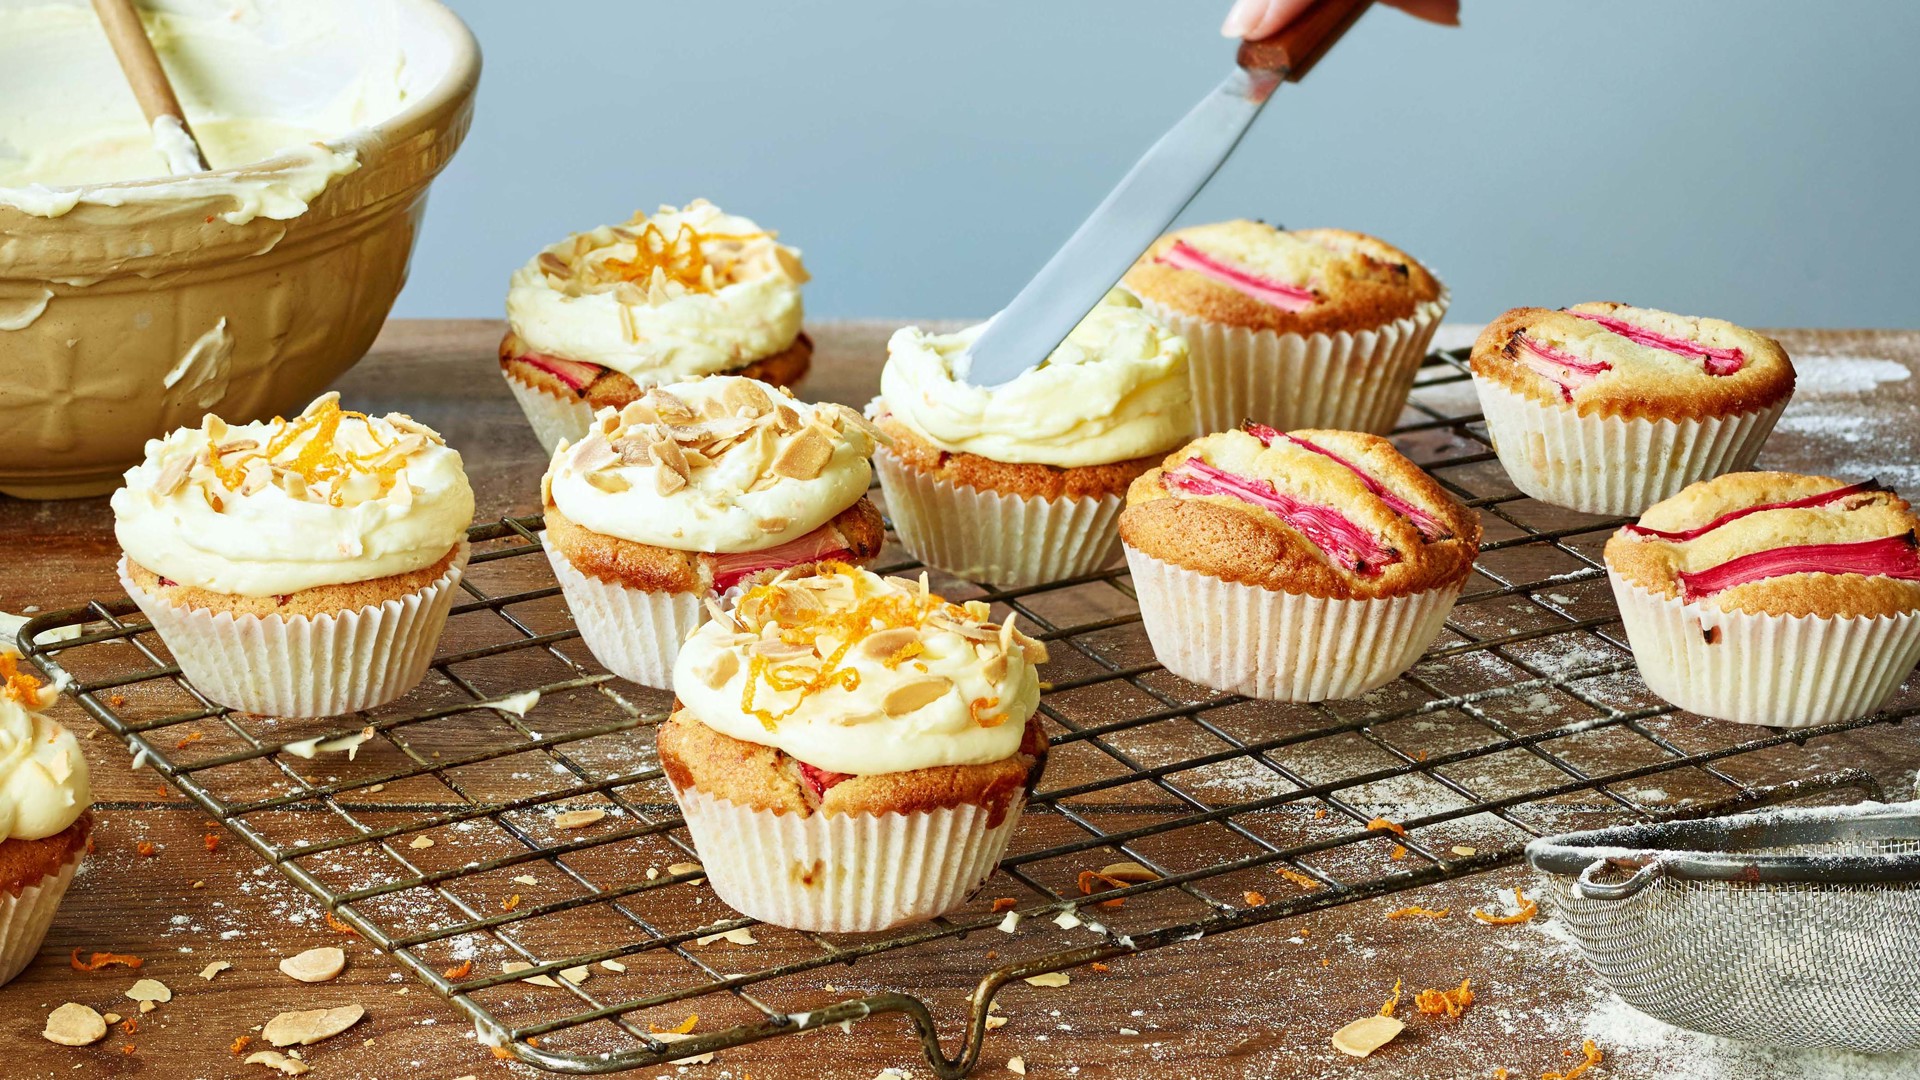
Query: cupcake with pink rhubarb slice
599	317
1311	328
1294	566
1772	598
689	491
1607	409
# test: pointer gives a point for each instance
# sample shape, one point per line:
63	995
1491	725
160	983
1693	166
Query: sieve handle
1590	889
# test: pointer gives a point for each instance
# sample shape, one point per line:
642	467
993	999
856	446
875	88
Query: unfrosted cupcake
1772	598
1296	566
851	752
44	821
599	317
690	490
1607	409
1023	484
298	567
1311	328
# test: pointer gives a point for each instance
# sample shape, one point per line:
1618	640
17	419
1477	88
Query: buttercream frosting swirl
1115	390
718	464
683	292
44	786
854	673
274	507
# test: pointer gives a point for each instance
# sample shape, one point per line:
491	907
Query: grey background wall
1754	159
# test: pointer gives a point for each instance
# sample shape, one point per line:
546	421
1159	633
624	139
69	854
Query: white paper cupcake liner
24	919
553	418
634	633
1352	381
1277	645
306	665
843	873
1612	465
1777	670
1001	539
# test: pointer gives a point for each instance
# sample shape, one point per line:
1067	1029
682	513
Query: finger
1444	12
1255	19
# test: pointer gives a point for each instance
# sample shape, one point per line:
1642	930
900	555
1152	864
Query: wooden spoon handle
142	65
1301	43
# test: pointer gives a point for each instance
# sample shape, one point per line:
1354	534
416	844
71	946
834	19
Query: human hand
1255	19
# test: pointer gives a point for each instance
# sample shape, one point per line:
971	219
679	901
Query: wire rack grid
1525	718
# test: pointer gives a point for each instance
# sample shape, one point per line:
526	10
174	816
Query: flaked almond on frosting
722	464
44	784
680	292
281	505
858	674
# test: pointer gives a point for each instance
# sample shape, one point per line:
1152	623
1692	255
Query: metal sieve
1795	928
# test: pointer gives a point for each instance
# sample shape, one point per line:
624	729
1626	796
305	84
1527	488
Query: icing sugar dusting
1845	374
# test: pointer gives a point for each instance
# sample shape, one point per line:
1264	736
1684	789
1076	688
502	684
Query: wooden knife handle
1301	43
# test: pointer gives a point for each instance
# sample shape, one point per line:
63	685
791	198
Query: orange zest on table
510	902
1100	967
1399	852
1448	1003
1384	824
1528	909
1299	879
239	1044
338	926
1004	903
1417	912
145	849
459	971
1253	899
192	738
1089	877
212	841
1392	1002
1592	1058
683	1028
104	960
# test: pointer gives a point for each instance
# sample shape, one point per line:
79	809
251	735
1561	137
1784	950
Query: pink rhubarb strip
1429	526
577	375
820	780
1184	256
1564	369
1889	556
1347	544
1822	499
1718	361
822	543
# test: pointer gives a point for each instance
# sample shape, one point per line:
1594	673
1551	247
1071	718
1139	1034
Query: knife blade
1148	198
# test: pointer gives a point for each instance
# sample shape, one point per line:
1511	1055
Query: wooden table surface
1256	1003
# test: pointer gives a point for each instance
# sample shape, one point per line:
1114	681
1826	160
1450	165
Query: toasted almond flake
1367	1034
1464	851
722	666
512	966
1051	978
74	1024
613	965
525	879
577	819
149	990
1132	873
805	455
315	965
994	1022
1066	920
419	843
1011	923
1017	1065
112	1017
576	975
915	694
685	868
1129	1031
273	1059
146	1007
311	1026
611	483
742	935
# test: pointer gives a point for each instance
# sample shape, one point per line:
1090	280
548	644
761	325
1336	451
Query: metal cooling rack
1526	717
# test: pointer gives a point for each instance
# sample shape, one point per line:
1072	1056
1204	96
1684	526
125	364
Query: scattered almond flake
1448	1003
273	1059
1128	1031
311	1026
674	1037
1132	873
1066	920
1051	979
1367	1034
74	1024
577	819
613	965
1381	823
653	873
1011	923
1464	851
145	1008
517	704
1527	909
512	966
686	868
997	1022
576	975
1017	1065
891	1074
525	879
198	885
311	748
315	965
420	843
1417	912
376	789
742	935
112	1017
1590	1057
149	990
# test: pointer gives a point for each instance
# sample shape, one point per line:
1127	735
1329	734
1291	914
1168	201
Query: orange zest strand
1253	899
1528	909
1005	903
338	926
1100	967
1592	1058
1089	878
1392	1002
685	1027
1300	879
130	1025
1448	1003
1383	823
982	710
104	960
191	738
510	902
145	849
320	459
1399	852
459	971
1418	913
23	688
681	259
239	1044
212	842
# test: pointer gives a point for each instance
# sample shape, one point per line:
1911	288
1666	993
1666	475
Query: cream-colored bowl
135	312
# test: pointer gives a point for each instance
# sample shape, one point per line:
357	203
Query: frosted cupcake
298	567
685	493
599	317
1023	484
851	752
1607	409
1772	598
1295	566
44	822
1312	328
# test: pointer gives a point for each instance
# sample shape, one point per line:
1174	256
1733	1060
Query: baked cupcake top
684	292
854	673
1251	275
1116	389
719	464
1608	359
1771	543
44	786
277	506
1334	514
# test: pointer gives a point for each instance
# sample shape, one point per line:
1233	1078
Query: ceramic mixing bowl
144	304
